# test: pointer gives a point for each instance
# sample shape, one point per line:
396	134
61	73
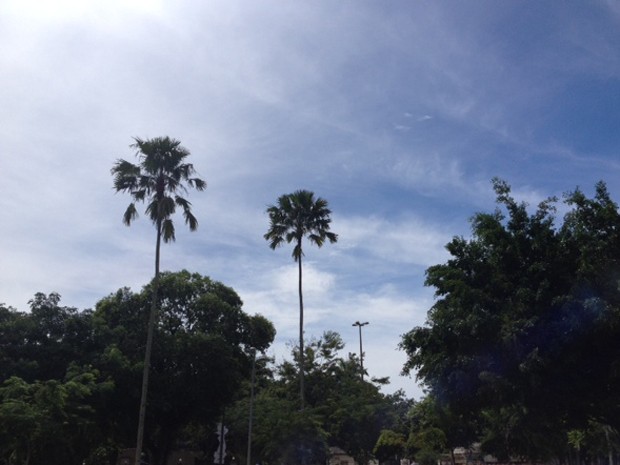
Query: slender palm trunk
148	351
249	454
301	337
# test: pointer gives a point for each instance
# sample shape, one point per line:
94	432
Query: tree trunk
147	353
610	456
301	337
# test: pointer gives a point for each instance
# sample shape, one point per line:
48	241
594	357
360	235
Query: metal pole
249	460
359	325
221	451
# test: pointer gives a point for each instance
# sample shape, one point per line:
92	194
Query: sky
397	113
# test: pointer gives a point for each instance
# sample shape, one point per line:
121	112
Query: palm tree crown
157	178
298	215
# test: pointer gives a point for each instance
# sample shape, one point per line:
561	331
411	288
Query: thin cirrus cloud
408	240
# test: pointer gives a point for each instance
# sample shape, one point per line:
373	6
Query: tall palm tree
296	216
157	179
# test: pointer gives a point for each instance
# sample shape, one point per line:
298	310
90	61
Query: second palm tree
296	216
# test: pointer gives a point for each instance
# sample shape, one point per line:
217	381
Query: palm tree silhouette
296	216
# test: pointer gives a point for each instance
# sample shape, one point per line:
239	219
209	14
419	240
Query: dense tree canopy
342	410
77	374
201	351
524	334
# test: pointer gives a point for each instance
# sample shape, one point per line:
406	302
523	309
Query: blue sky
398	113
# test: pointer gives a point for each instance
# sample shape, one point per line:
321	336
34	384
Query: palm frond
190	219
152	210
147	182
297	252
331	237
167	207
197	184
139	195
275	242
316	239
167	230
130	214
125	175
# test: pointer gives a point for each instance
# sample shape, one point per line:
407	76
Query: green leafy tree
593	444
157	179
341	409
296	216
353	411
390	447
436	430
49	422
72	379
40	344
524	331
202	352
281	433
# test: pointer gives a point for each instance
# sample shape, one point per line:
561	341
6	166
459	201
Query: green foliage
595	441
390	446
72	379
342	410
201	352
49	418
37	345
524	332
427	457
436	430
285	434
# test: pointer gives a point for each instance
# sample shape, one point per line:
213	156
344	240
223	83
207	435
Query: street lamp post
359	325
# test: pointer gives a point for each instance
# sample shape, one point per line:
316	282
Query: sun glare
71	10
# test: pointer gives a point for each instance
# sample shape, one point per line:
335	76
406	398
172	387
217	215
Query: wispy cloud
406	240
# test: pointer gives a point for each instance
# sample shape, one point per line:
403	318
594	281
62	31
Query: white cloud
406	240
